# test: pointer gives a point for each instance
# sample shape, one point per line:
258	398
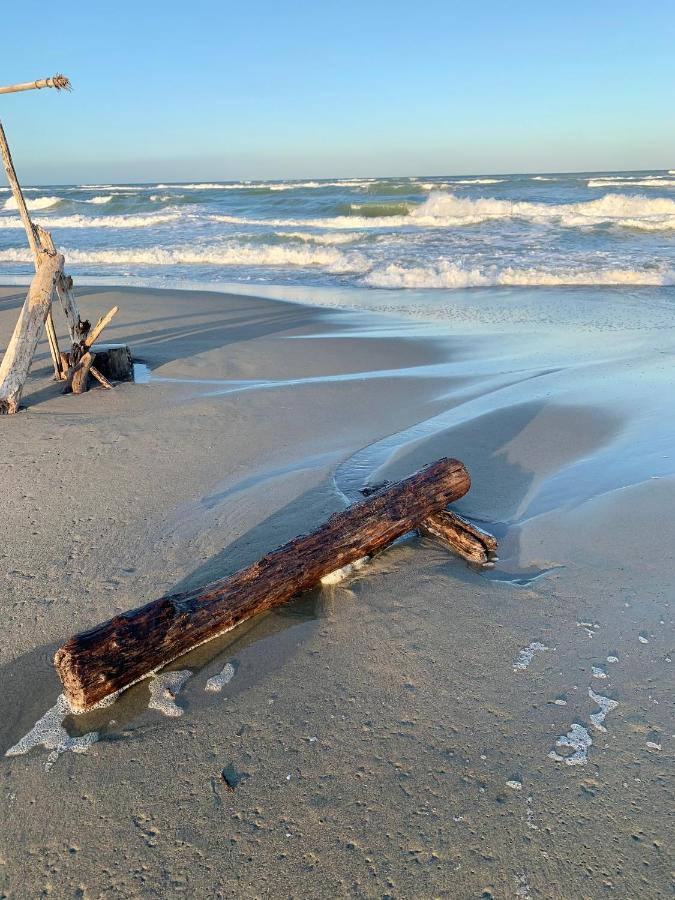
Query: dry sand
401	734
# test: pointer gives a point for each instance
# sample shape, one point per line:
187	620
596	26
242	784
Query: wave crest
448	275
231	254
37	203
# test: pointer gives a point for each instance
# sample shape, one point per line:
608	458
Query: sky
216	90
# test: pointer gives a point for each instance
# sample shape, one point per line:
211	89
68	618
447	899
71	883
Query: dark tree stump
114	361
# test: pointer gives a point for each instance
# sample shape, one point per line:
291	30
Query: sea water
370	233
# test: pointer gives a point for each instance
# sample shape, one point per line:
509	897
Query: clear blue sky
211	89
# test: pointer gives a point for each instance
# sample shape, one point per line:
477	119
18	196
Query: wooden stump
109	658
114	361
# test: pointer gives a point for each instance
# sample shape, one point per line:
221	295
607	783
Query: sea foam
444	274
230	254
37	203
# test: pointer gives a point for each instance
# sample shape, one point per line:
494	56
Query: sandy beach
420	730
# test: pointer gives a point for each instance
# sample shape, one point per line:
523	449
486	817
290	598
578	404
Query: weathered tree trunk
19	353
37	249
79	382
114	361
96	663
465	538
77	328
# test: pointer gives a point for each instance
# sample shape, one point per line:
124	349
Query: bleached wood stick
19	353
33	241
53	345
102	380
59	82
36	250
64	292
99	326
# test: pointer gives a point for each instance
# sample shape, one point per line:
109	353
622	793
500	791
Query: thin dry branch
58	82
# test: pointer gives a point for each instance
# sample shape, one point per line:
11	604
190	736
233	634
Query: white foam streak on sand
579	741
231	254
50	733
80	221
38	203
448	275
526	655
217	682
606	705
164	688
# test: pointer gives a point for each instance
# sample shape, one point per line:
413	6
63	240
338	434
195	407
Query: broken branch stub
97	663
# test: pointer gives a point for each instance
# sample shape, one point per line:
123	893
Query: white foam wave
98	201
631	182
325	239
80	221
448	275
38	203
264	185
232	254
543	178
447	210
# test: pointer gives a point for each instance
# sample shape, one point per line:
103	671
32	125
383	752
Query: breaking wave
38	203
631	182
445	210
343	237
230	254
79	221
448	275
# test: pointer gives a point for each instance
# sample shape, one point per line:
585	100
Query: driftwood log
114	655
19	353
465	538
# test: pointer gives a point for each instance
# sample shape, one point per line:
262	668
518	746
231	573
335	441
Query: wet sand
420	730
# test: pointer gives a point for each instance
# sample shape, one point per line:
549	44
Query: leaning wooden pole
97	663
19	353
33	241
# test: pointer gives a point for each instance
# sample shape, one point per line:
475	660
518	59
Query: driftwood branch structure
73	367
19	353
114	655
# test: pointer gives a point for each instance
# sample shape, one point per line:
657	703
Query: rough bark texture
19	353
114	361
96	663
471	542
79	383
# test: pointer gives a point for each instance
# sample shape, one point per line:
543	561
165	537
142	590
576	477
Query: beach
422	729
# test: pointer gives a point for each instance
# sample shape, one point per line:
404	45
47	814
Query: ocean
424	233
